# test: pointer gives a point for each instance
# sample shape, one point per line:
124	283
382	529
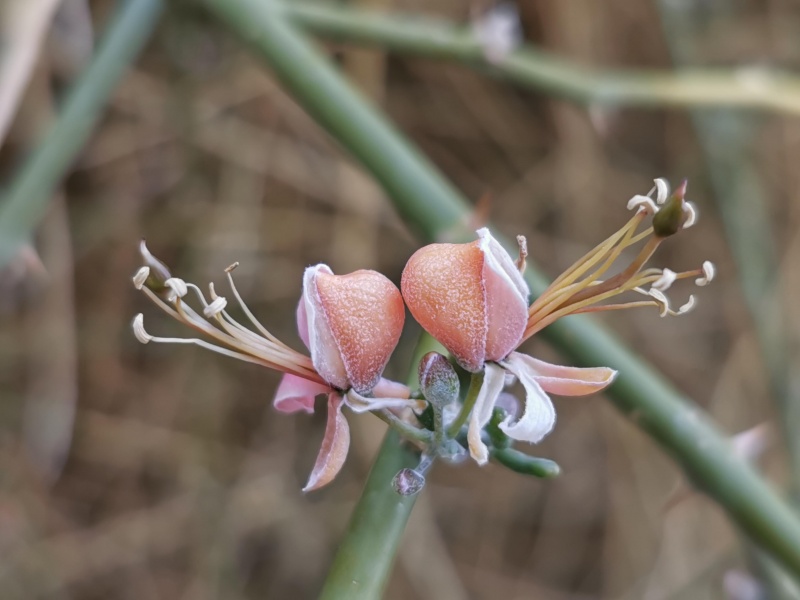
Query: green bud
438	379
527	465
671	217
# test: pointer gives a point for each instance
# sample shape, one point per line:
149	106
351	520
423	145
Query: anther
140	277
662	188
178	288
138	329
667	278
708	274
217	306
642	204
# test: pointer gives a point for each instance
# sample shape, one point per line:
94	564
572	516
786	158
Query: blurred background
162	472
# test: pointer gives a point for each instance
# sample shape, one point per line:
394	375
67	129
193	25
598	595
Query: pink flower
473	299
350	323
470	297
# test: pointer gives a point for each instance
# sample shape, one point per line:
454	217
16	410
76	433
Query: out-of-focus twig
747	87
23	25
27	198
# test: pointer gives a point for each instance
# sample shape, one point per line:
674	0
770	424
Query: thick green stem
428	201
363	562
26	200
533	68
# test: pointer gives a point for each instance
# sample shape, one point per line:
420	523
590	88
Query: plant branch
26	200
746	87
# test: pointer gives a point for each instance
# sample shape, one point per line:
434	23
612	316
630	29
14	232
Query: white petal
493	379
539	416
662	187
361	404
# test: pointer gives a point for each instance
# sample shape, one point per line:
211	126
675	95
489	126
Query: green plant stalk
475	382
533	68
363	562
26	200
426	200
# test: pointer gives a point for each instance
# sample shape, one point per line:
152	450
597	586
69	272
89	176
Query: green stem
475	383
533	68
29	195
425	199
364	559
407	431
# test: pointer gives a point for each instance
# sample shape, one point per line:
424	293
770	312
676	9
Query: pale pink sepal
295	394
506	296
334	448
361	404
318	335
568	381
493	380
387	388
539	416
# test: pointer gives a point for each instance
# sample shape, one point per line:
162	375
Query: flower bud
673	216
157	273
438	379
470	297
351	324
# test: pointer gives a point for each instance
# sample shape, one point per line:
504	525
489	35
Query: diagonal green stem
25	202
428	201
531	67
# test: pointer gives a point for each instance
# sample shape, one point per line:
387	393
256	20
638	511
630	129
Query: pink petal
295	394
568	381
362	404
321	343
493	380
506	298
539	415
391	389
334	448
443	288
365	313
302	320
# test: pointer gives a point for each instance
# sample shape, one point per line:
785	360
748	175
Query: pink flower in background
350	323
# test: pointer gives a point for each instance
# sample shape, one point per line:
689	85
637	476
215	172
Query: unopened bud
158	274
438	379
672	217
408	482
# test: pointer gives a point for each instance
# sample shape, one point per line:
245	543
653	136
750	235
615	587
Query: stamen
140	277
522	242
688	306
661	300
216	307
138	330
708	274
642	204
663	190
667	278
691	215
178	288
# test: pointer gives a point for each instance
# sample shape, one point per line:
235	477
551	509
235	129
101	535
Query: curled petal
361	404
318	335
388	388
506	298
334	446
539	415
295	394
564	381
493	380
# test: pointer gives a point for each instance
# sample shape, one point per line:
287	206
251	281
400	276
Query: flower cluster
472	298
